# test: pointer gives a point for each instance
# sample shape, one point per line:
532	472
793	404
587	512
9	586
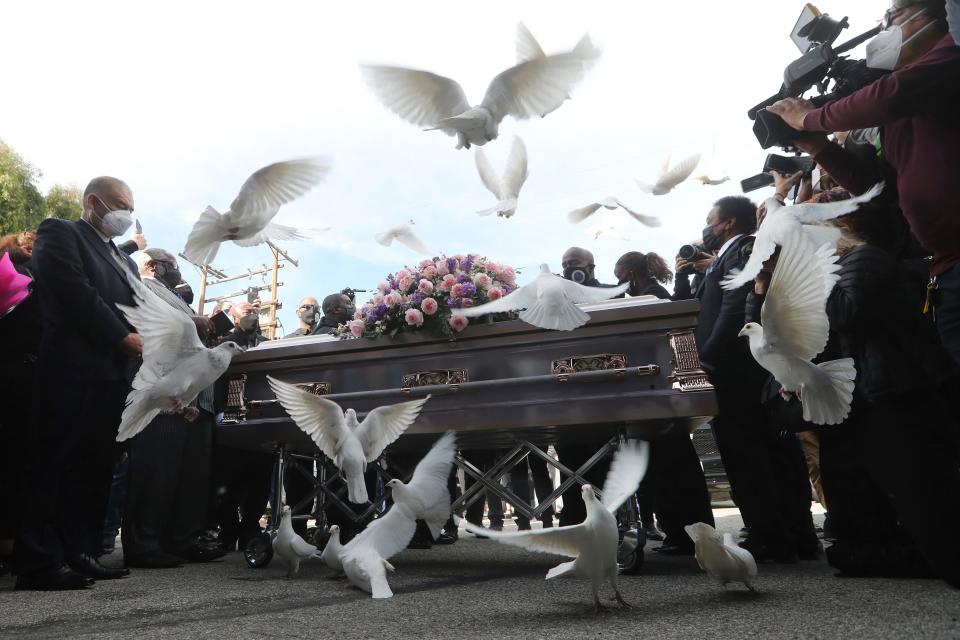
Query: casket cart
633	371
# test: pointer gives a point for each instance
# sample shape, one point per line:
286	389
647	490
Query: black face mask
309	314
185	292
710	240
576	274
248	322
167	274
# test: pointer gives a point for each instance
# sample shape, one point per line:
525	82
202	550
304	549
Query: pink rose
383	286
425	286
494	267
442	267
425	263
482	280
467	302
405	283
458	322
430	272
449	280
429	306
377	299
413	317
508	275
403	273
495	293
456	290
356	328
358	315
393	298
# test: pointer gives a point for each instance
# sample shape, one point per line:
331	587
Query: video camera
787	165
352	293
820	65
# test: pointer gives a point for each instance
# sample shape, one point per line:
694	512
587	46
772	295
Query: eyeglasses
891	14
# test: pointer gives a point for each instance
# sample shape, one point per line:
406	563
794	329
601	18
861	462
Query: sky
184	100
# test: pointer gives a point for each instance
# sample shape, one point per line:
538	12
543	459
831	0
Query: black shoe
87	565
768	551
199	554
447	537
59	578
153	560
109	544
420	543
670	549
652	533
523	525
496	526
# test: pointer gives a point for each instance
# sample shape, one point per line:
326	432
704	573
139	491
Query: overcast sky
184	100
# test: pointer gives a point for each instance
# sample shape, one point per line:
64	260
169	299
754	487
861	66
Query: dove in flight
608	226
671	176
611	203
707	180
340	436
507	188
794	329
533	87
289	547
248	222
549	302
529	49
333	549
176	365
721	557
782	223
593	542
425	497
403	234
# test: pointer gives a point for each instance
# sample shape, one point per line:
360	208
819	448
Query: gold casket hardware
316	388
451	377
687	374
617	362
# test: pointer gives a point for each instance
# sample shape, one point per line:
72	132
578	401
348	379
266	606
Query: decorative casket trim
451	377
687	373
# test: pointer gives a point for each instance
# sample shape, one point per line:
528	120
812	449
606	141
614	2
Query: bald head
578	257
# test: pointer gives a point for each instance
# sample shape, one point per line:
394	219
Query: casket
633	369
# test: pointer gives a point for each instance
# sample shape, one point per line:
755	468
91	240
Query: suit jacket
724	356
78	284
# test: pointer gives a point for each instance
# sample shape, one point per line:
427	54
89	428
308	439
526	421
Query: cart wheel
630	552
259	551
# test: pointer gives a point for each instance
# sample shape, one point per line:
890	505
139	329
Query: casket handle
453	378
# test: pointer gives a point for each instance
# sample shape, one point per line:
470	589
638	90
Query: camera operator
915	107
693	260
307	318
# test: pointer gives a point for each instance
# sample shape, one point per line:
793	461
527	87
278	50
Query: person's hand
792	111
783	184
204	326
762	281
131	345
812	143
681	266
140	239
701	265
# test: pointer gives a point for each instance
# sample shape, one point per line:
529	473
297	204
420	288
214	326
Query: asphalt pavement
479	589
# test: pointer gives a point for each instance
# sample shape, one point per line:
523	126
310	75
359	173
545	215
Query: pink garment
13	286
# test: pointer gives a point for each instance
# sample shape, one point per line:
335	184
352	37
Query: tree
22	206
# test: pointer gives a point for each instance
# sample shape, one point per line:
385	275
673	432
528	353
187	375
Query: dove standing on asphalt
338	434
534	87
794	329
782	223
333	549
549	302
176	366
507	188
720	557
593	542
248	221
611	203
670	177
403	234
425	497
289	547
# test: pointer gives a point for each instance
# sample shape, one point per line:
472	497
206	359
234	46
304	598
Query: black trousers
678	486
16	427
482	460
168	475
542	485
573	456
242	481
767	471
69	468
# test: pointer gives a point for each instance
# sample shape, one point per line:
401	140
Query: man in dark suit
759	463
88	355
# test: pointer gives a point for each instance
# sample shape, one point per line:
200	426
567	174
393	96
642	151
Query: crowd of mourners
888	476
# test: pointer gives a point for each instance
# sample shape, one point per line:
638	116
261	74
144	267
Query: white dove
248	221
403	234
534	87
795	328
670	177
333	549
607	226
782	223
549	302
425	497
338	434
529	49
720	557
707	180
176	366
289	547
612	203
593	542
507	189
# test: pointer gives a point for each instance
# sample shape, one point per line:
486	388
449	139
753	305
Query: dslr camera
787	165
822	66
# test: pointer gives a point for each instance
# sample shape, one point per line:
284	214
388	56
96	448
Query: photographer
693	260
915	108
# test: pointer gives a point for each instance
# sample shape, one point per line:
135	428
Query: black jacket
653	288
78	283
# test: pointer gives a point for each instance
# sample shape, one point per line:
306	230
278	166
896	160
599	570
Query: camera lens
687	252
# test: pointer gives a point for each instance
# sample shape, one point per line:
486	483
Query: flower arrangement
423	298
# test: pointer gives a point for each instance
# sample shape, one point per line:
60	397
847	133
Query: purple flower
452	264
468	290
463	278
467	263
455	303
506	288
415	299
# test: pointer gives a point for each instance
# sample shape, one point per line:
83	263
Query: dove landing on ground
670	177
549	302
289	547
794	329
721	557
593	542
534	87
176	365
507	188
248	222
425	497
782	223
578	215
403	234
340	436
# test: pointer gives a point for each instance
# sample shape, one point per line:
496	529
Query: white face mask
883	52
115	222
